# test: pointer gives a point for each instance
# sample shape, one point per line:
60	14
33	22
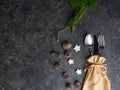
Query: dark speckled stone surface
27	35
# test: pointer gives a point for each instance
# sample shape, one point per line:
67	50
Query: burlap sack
96	76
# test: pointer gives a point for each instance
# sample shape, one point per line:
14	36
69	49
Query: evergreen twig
80	7
60	31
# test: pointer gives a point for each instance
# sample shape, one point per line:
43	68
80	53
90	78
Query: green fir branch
80	7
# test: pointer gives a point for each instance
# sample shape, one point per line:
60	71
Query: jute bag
96	76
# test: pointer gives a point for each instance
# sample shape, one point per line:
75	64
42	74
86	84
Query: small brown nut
69	86
77	84
65	75
58	65
67	45
67	54
55	54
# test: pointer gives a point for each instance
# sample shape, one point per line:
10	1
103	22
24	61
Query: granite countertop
28	33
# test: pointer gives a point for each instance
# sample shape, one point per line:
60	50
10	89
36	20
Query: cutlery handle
100	50
91	51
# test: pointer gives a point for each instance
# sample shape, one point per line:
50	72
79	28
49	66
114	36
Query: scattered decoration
79	71
67	54
67	45
77	84
69	86
76	48
55	54
70	61
65	75
58	65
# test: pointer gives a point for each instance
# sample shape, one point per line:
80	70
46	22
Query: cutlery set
90	44
96	72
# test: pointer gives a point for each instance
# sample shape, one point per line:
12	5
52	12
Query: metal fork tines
101	43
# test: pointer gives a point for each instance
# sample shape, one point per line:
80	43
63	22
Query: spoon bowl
89	42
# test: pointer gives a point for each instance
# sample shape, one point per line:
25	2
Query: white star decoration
70	61
79	71
76	48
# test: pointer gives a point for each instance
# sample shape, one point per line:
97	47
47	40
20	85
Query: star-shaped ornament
79	71
70	61
77	48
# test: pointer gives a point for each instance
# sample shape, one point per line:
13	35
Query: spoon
89	42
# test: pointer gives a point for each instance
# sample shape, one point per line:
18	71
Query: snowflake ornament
77	48
79	71
70	61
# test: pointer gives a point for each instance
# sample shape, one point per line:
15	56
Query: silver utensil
89	43
101	43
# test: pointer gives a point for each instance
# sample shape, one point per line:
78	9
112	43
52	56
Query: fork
101	43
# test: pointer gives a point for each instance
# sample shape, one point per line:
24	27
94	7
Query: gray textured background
27	35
